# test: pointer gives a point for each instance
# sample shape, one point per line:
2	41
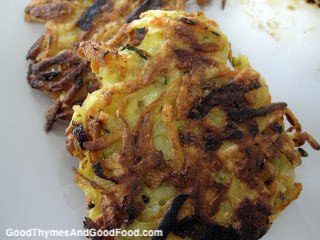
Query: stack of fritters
56	69
176	141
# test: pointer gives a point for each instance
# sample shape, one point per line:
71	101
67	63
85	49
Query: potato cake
175	140
56	69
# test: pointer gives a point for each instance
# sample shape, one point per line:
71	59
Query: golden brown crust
80	21
48	11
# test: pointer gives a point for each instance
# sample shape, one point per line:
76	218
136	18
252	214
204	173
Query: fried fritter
56	69
177	141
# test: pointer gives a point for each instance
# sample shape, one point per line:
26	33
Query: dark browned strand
51	114
213	140
85	22
242	114
34	50
143	7
92	183
170	218
98	170
276	127
73	91
231	94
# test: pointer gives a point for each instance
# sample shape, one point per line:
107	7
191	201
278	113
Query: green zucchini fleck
276	163
215	33
134	49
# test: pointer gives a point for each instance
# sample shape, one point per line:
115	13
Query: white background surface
37	188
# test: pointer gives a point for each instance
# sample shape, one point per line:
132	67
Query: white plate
36	171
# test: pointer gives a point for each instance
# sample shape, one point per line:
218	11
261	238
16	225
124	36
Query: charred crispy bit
91	205
228	95
250	166
178	141
276	127
51	114
98	170
143	7
48	76
170	218
73	76
186	138
85	22
87	223
218	232
253	128
80	134
184	226
213	141
243	114
66	57
132	212
254	219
